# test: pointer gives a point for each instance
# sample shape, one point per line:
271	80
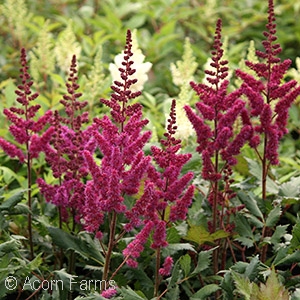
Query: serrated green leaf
9	247
219	234
206	291
81	245
289	259
204	261
245	241
200	235
69	280
185	264
252	269
173	248
273	288
295	241
243	285
250	204
279	232
291	188
273	216
242	226
254	220
35	263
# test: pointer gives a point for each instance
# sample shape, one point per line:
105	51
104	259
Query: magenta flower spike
217	112
26	131
24	128
64	153
123	166
120	141
164	189
269	96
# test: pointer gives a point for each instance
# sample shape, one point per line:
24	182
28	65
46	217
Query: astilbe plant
64	155
269	100
123	163
26	131
218	143
165	200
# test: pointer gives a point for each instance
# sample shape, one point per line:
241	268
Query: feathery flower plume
64	153
218	143
267	90
222	109
163	189
25	130
167	267
123	165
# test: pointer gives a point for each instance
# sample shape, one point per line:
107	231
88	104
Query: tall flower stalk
269	100
25	131
218	143
64	154
165	200
123	163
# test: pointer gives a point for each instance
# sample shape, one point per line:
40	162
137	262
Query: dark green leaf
204	261
295	242
176	275
80	244
206	291
252	269
242	226
250	204
279	232
129	294
12	201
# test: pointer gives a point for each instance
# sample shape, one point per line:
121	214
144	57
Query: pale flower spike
182	74
141	67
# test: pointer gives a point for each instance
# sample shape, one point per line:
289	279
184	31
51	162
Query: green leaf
173	248
129	294
200	235
204	261
9	247
290	189
289	259
242	226
256	170
176	275
250	204
12	201
173	236
273	216
245	241
69	281
185	264
243	285
81	244
252	269
279	232
295	241
273	288
206	291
